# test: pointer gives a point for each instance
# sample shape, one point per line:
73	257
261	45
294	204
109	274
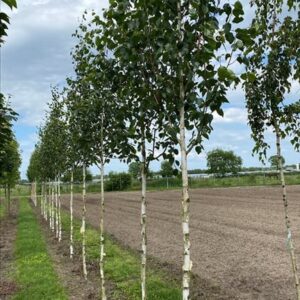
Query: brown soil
237	234
8	230
70	271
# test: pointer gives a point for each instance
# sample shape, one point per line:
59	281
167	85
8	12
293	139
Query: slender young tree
97	71
135	89
53	137
273	62
34	174
72	155
79	128
10	162
176	49
8	146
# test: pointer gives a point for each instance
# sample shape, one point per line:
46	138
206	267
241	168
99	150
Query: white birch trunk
49	204
35	194
32	192
8	198
71	217
286	215
59	210
47	200
5	196
52	206
42	198
82	230
187	263
102	251
143	224
56	208
46	203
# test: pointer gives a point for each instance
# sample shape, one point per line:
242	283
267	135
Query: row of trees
150	76
219	162
10	160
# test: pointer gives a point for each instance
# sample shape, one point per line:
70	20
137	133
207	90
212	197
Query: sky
36	56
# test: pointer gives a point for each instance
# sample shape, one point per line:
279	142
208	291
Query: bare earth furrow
237	234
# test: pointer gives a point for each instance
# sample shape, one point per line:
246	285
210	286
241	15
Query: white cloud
37	52
232	115
36	55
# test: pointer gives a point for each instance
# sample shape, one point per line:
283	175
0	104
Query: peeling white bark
42	198
35	193
82	230
46	203
49	204
102	251
51	185
143	224
290	244
71	218
56	208
59	211
187	263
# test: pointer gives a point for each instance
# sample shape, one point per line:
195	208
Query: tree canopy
166	169
10	163
4	18
274	163
221	162
135	169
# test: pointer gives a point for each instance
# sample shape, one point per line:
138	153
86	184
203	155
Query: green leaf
238	9
227	9
10	3
198	149
229	37
225	73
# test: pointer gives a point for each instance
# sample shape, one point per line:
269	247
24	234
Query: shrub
118	181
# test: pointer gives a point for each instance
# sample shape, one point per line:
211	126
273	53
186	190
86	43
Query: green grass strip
122	267
35	274
2	210
160	184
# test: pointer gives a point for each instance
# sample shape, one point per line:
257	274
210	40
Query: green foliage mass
166	169
135	169
274	163
272	63
10	162
221	162
4	18
118	181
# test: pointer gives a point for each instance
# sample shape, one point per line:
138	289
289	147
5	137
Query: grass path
35	274
2	208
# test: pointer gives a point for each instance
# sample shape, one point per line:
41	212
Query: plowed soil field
238	235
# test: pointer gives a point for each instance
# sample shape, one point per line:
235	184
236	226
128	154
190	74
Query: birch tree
34	174
53	137
273	63
176	48
79	127
72	158
135	89
96	72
